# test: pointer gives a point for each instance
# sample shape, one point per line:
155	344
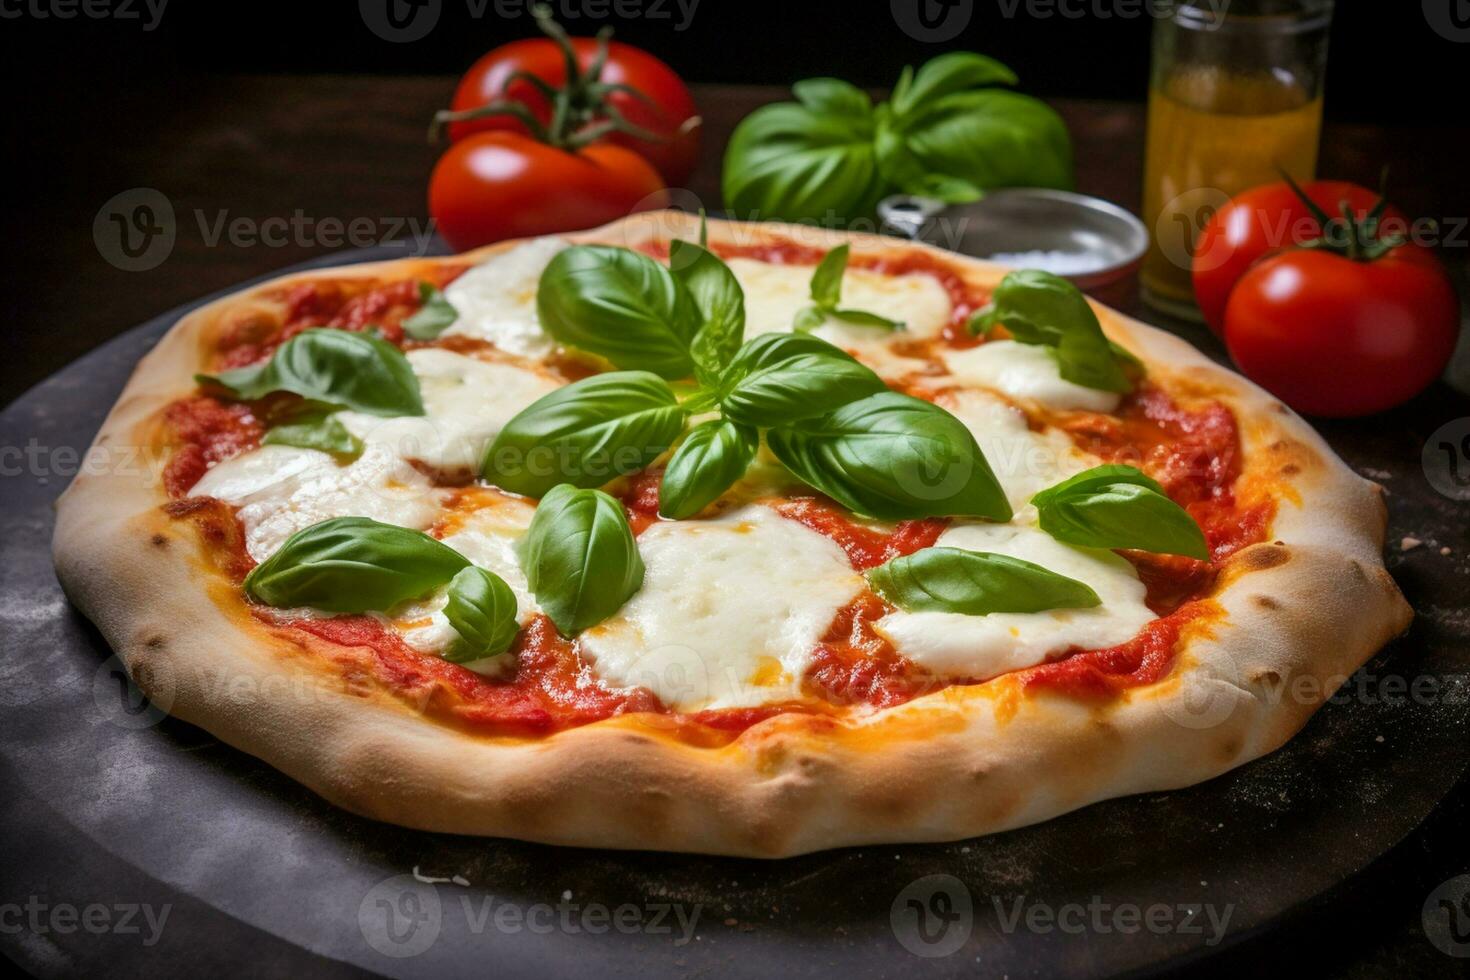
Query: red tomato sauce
343	304
1143	660
549	687
865	547
205	432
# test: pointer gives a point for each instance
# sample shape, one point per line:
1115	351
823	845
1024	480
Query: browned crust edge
1300	616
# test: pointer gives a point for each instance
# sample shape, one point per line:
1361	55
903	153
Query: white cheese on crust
279	490
730	611
496	300
467	402
981	647
1025	371
774	294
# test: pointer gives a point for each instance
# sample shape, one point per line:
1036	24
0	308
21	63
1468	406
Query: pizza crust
1300	615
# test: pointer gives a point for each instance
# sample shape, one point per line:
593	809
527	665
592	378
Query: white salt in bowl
1092	242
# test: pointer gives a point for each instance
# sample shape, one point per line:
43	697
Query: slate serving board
107	802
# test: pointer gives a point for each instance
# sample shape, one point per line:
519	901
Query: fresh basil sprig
353	565
826	293
622	306
316	430
947	132
1117	506
707	463
1044	309
892	457
482	609
435	315
339	368
580	558
798	387
721	304
975	583
585	434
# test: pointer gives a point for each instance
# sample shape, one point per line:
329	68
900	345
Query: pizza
745	539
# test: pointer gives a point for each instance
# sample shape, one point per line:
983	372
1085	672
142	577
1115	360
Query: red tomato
1336	337
1262	222
492	186
668	111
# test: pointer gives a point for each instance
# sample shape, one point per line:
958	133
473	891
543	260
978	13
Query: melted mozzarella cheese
496	300
1024	461
982	647
487	536
279	490
730	611
774	294
466	403
1025	371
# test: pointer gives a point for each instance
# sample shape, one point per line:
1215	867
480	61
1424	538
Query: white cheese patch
496	300
774	294
730	611
487	537
1025	371
279	490
1024	461
467	402
981	647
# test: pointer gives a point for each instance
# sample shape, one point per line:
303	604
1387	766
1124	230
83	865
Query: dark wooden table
323	149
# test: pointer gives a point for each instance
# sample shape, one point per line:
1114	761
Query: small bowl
1091	242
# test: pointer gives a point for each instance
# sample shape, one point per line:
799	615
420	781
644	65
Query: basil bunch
975	583
1117	506
1044	309
830	420
329	369
946	133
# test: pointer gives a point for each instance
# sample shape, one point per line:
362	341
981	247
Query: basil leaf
352	565
334	367
975	583
773	348
794	163
834	97
1090	481
944	75
826	290
721	303
1103	508
982	138
707	463
580	558
316	431
799	387
434	317
585	434
482	610
1041	308
620	305
892	457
